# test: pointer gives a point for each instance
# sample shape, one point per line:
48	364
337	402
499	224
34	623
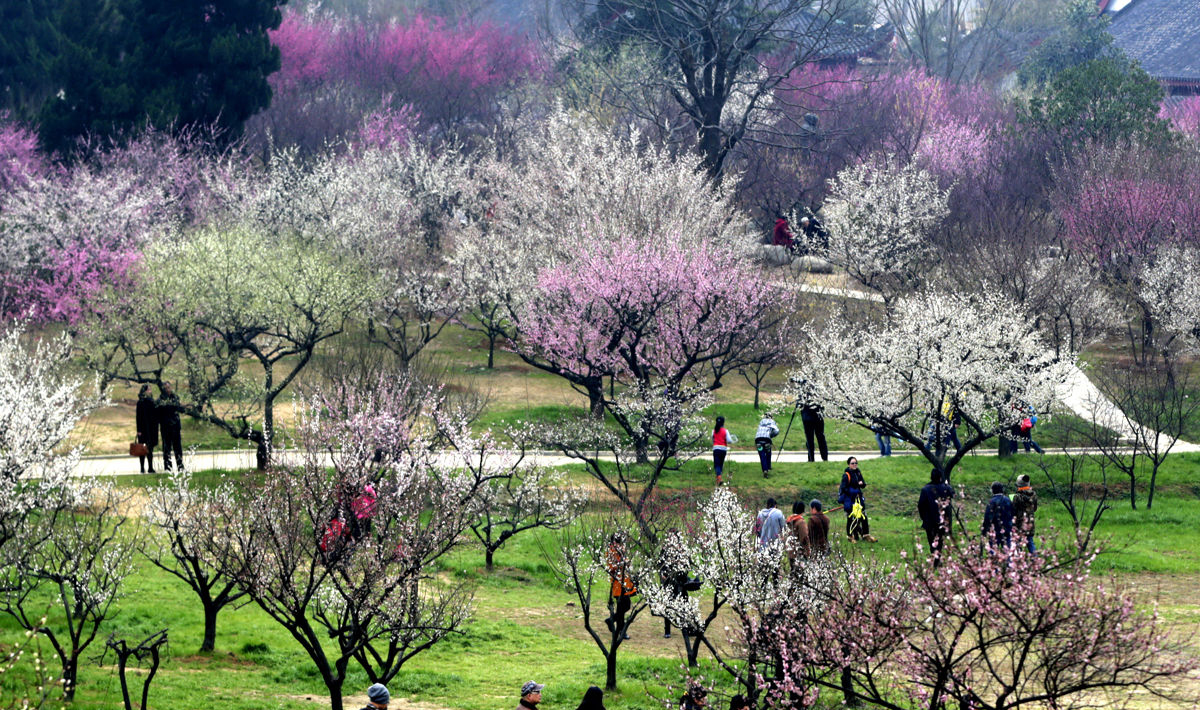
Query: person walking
935	506
623	588
531	695
818	529
797	537
167	412
814	427
146	420
767	430
883	439
850	495
1024	506
769	524
998	519
593	699
378	697
1027	425
721	440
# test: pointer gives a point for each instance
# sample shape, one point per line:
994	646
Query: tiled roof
1163	36
837	40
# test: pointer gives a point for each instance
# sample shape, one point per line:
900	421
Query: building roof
837	40
1163	36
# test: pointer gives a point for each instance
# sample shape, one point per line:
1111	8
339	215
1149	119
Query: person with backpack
769	523
721	441
623	587
935	506
767	430
850	495
1024	506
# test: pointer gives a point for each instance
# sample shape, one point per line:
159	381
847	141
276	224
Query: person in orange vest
623	587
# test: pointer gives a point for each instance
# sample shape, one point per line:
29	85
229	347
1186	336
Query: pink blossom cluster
642	310
19	156
1114	217
449	72
1184	116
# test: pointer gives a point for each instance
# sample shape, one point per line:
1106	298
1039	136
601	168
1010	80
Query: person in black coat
936	511
168	420
998	519
146	420
814	427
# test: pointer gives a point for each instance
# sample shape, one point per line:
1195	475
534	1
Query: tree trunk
488	553
610	670
210	627
693	649
491	350
335	693
69	676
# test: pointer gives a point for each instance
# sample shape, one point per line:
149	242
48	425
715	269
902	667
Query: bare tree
957	40
721	61
342	561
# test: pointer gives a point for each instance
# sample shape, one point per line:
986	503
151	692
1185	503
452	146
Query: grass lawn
526	626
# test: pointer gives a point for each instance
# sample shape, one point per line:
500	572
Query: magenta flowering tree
660	316
332	73
70	234
1184	116
986	631
19	157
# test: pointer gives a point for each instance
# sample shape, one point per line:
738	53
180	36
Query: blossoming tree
975	352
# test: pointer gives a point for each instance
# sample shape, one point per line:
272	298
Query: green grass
525	628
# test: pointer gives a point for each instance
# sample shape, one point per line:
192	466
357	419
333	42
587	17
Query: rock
812	264
774	255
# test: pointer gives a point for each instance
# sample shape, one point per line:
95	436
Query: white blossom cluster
879	216
40	404
1171	287
977	351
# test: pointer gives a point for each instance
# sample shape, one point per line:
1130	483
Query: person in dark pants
168	419
936	511
858	527
998	519
146	419
814	426
1024	506
767	430
818	530
623	587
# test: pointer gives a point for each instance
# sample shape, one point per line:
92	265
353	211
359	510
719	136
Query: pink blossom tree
343	559
19	157
1184	116
333	72
987	631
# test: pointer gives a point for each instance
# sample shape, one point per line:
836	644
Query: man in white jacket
769	523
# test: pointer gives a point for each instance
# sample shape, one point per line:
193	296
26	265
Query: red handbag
137	449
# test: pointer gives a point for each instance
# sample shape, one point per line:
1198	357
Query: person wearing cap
818	530
531	695
1024	506
998	519
377	697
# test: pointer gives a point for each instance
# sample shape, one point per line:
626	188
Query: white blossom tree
1171	287
531	497
751	583
184	516
880	215
987	359
40	404
84	561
